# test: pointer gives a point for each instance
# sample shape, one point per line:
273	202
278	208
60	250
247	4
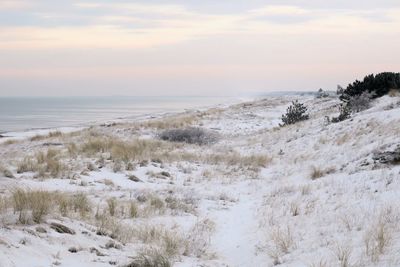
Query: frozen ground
309	194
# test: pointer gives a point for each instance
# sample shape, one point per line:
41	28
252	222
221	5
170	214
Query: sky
187	47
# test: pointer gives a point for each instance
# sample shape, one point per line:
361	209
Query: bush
189	135
361	102
344	114
321	94
379	85
295	113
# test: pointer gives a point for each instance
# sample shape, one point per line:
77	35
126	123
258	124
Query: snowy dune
308	194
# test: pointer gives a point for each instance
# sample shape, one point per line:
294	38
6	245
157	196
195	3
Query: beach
253	194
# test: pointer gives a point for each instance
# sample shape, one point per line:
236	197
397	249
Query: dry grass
119	150
317	172
394	93
377	239
150	258
343	139
10	142
43	163
172	122
343	254
112	206
236	159
37	203
282	242
43	137
198	239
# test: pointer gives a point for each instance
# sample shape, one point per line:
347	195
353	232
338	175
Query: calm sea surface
25	113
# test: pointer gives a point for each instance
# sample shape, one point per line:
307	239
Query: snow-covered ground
308	194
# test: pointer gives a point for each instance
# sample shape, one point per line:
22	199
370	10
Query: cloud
141	26
160	9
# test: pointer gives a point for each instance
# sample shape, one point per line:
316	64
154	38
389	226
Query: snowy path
236	235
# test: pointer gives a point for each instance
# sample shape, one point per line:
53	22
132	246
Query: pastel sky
187	47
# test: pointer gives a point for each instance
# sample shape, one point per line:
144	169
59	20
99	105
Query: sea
30	113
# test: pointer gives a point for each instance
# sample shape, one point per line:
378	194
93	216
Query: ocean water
27	113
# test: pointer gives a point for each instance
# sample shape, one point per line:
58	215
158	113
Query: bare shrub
344	114
191	135
361	102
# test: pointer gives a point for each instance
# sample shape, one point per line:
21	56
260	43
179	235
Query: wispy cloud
143	25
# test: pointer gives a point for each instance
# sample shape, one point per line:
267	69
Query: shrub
344	114
189	135
295	113
379	84
360	102
321	94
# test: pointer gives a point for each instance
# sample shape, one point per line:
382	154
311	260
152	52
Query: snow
247	207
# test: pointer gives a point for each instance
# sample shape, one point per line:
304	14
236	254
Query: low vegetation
377	85
296	112
197	136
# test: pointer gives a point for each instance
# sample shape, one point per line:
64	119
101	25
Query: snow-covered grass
307	194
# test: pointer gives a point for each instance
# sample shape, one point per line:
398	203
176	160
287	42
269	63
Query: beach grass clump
190	135
150	258
236	159
31	204
34	205
121	150
43	163
40	137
